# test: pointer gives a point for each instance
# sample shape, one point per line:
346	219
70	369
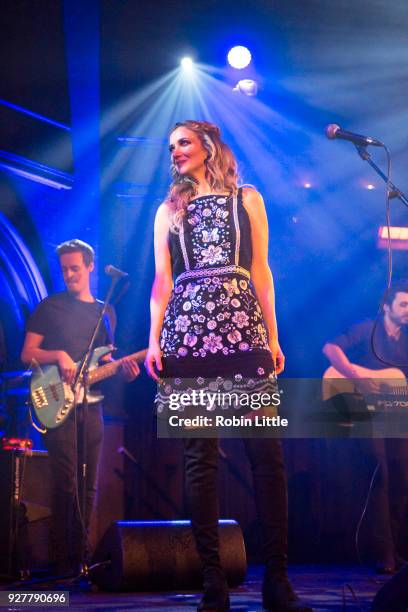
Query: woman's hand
278	357
153	361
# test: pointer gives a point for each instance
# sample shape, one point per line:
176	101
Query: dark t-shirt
67	324
356	344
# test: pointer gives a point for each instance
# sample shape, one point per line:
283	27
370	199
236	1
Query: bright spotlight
239	57
187	64
248	87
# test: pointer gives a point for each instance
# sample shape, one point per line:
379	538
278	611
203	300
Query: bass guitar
53	399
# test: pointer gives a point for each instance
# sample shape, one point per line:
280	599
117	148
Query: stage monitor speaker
160	555
393	595
25	511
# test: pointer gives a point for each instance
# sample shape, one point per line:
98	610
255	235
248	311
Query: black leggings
266	458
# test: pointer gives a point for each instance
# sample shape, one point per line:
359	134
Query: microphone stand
394	192
82	378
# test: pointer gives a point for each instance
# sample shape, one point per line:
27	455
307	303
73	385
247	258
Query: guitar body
52	399
390	380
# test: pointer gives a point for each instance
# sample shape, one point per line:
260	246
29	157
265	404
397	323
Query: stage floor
322	587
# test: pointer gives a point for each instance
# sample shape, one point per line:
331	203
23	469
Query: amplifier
26	509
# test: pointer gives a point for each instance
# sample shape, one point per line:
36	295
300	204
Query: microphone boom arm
394	192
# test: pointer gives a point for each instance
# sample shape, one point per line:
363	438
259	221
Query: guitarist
352	349
58	332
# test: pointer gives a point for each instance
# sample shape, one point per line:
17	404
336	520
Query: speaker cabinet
393	595
160	555
25	502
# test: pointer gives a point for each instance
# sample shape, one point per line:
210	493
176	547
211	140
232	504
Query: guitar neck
111	368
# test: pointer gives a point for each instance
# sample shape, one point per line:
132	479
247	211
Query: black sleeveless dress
213	333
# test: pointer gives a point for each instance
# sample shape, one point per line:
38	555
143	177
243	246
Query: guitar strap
108	323
108	326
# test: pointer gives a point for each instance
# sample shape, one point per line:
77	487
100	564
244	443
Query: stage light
307	185
247	87
239	57
187	64
370	186
398	237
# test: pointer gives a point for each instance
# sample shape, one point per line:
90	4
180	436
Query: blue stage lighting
239	57
248	87
187	64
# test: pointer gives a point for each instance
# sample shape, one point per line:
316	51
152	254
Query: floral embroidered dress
213	326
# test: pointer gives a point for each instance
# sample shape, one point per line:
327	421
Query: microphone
115	272
334	131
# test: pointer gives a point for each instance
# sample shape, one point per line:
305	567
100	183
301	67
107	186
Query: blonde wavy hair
221	170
